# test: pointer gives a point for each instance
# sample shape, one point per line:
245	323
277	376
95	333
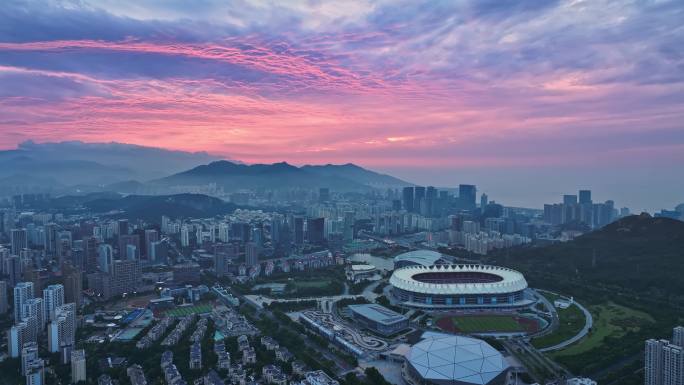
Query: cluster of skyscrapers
582	210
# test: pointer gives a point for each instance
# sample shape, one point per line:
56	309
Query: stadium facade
444	287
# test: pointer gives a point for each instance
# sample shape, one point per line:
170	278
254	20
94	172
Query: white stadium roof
450	359
512	281
422	257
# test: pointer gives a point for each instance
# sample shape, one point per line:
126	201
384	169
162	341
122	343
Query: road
554	316
368	292
588	324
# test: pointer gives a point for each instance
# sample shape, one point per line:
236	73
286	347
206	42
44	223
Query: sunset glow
376	83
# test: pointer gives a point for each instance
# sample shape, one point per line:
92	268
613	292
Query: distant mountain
151	208
79	163
636	254
357	174
232	176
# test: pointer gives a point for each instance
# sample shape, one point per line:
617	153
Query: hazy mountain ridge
358	174
95	164
76	167
233	176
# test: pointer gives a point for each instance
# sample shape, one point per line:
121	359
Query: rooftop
377	313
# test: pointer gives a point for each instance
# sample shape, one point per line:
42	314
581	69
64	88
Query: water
379	262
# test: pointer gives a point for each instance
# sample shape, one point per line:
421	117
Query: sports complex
459	287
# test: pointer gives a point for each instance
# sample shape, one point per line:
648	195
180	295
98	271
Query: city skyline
510	97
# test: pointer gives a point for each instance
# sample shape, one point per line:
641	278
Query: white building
664	361
105	258
78	366
22	292
53	297
62	330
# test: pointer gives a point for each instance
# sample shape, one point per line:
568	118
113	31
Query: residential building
78	366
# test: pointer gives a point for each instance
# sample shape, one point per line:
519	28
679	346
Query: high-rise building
33	312
159	252
483	200
418	197
349	225
131	252
664	361
50	238
4	306
17	336
53	297
151	236
29	352
19	240
78	366
125	241
251	254
299	230
90	251
585	197
185	236
678	336
62	330
467	196
315	229
36	373
126	277
569	200
122	227
105	257
73	284
12	269
23	291
407	198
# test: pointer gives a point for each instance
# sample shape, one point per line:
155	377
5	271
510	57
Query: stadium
445	287
454	360
418	258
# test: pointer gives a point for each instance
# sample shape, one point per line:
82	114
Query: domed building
444	359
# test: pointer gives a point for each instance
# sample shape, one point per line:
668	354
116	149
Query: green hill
637	255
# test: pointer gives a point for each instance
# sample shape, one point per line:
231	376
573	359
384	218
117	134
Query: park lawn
610	320
570	322
487	323
317	283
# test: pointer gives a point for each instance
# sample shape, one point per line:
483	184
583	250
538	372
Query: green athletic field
187	310
486	323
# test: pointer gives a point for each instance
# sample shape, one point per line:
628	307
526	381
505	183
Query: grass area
570	322
318	283
610	321
187	310
470	324
486	323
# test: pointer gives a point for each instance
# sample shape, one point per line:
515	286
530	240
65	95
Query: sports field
487	323
187	310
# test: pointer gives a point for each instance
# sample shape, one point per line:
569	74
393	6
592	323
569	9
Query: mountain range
80	167
63	164
232	176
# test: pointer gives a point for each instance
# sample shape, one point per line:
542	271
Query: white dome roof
450	359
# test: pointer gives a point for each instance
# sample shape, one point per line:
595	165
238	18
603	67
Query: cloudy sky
528	99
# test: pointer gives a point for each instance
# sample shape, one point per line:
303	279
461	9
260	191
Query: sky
526	99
